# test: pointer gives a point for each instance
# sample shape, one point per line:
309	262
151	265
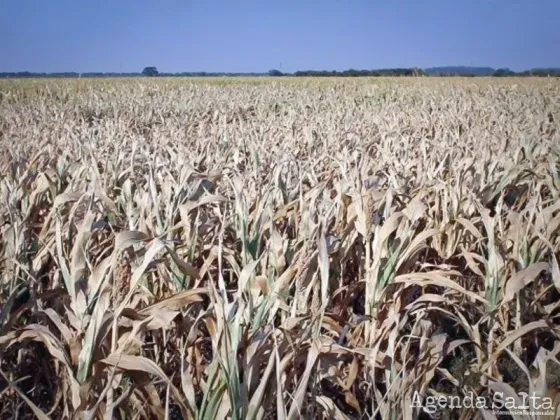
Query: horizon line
287	72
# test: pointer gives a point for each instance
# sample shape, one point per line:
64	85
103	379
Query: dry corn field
219	249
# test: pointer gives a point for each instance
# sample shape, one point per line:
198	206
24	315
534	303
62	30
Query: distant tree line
433	72
362	73
26	74
152	71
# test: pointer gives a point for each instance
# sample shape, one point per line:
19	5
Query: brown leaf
511	337
176	302
523	278
138	363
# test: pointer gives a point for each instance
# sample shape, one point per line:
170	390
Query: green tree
150	71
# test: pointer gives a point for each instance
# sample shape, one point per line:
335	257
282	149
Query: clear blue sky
252	35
